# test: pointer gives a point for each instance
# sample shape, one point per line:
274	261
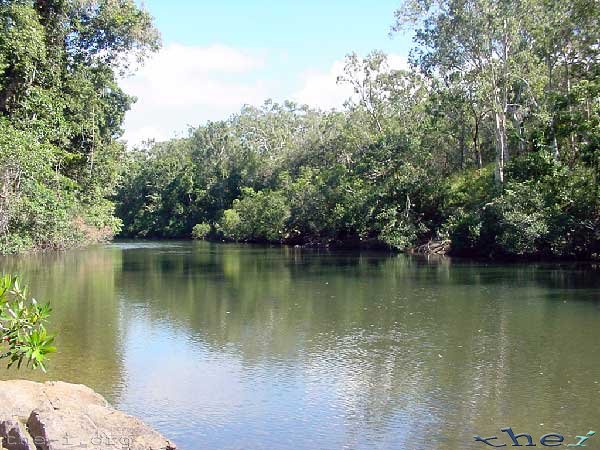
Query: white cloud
320	89
143	133
397	62
183	85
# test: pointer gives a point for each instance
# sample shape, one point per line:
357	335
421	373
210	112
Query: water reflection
81	287
229	347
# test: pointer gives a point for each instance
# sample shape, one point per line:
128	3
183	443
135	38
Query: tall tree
486	43
59	66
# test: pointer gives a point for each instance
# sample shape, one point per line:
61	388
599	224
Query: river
245	347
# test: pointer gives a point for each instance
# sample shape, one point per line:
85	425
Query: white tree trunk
501	145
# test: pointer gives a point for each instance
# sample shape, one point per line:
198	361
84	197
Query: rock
62	416
433	248
15	436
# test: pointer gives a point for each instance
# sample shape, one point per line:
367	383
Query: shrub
472	189
400	230
39	207
521	220
231	225
311	202
409	206
545	209
463	228
200	231
573	209
256	217
22	326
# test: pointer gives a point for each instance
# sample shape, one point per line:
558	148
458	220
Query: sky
219	55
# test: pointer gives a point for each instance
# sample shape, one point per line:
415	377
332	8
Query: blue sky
217	56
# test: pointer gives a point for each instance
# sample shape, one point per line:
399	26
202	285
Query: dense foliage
24	337
490	142
60	115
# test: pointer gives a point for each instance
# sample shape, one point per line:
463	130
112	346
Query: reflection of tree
80	286
431	342
407	349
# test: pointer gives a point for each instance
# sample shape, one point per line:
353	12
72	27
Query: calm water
239	347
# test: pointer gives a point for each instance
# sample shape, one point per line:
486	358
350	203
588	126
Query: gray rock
15	436
62	416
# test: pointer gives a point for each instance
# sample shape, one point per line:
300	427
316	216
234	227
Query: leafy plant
257	217
24	337
201	230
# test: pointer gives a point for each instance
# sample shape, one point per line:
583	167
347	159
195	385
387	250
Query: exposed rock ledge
62	416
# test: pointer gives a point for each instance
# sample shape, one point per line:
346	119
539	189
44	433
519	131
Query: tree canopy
489	143
61	112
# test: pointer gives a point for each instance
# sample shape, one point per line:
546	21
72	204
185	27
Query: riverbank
438	248
58	415
433	247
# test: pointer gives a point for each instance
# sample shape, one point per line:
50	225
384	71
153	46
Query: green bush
39	207
412	206
310	197
545	209
12	244
573	213
463	228
521	220
200	231
256	217
22	326
400	230
533	166
472	189
231	225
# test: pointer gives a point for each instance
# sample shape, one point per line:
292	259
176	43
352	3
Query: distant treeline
491	142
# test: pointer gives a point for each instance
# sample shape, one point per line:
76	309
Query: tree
256	217
455	148
483	42
59	63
